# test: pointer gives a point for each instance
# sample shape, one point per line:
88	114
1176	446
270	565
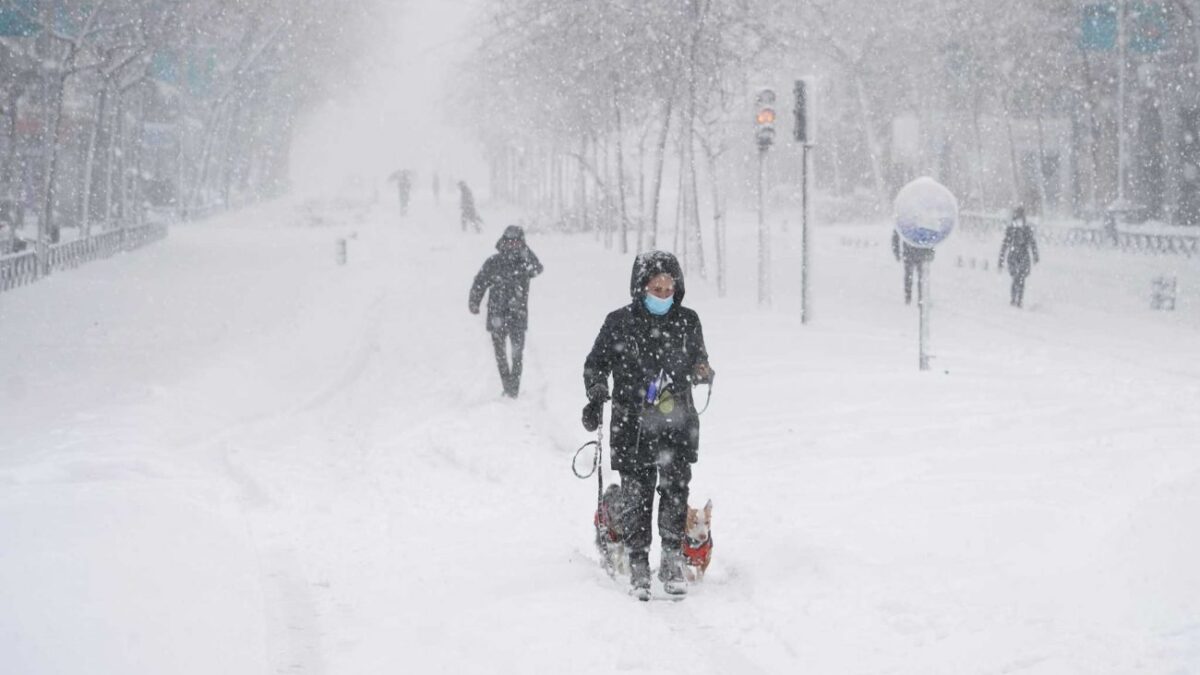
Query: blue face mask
656	305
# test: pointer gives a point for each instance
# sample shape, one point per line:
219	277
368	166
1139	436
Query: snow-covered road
227	454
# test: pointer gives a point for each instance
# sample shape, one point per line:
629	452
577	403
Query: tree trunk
52	132
621	172
85	211
656	186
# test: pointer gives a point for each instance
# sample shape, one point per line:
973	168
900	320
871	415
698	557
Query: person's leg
1019	290
637	489
518	349
675	475
498	344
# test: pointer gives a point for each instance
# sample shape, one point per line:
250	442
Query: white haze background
225	453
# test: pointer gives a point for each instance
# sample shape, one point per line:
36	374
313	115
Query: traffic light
764	118
802	102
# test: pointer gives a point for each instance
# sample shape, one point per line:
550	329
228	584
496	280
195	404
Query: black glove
598	392
593	415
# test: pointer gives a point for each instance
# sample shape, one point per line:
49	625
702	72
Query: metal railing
19	269
982	224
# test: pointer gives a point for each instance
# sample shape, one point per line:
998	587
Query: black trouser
1018	288
510	376
672	474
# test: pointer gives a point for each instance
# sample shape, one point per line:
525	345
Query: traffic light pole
804	257
764	289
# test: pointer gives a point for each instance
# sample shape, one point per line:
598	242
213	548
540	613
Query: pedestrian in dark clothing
466	202
654	350
505	278
403	179
1019	249
912	256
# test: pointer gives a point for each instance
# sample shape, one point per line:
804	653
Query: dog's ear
708	509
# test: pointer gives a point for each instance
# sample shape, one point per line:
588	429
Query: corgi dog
610	531
697	542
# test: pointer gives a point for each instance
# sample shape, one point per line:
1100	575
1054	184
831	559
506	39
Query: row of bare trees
598	112
589	101
113	108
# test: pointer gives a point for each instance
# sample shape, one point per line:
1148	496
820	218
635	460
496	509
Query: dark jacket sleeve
1033	245
482	280
696	346
1008	233
532	264
598	364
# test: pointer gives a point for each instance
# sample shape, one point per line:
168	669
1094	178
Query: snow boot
670	572
639	577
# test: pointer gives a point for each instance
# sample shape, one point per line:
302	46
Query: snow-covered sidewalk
226	453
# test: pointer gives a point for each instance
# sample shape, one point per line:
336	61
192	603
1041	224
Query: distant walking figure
1020	250
466	202
505	278
403	179
437	189
912	257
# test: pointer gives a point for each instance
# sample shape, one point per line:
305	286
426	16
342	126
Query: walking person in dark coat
466	202
654	350
505	278
1020	250
912	257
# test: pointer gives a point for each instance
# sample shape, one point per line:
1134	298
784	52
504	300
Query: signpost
925	213
764	134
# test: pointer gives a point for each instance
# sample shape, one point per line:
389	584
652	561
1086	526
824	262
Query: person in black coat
912	257
653	348
505	278
1020	250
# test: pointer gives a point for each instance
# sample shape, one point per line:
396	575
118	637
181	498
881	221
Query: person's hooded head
1018	212
512	240
648	268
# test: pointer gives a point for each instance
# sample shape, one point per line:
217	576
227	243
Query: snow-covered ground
225	453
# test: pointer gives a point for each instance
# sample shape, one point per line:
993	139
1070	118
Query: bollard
1162	293
341	251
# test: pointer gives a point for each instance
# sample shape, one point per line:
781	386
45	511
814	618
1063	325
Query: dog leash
597	457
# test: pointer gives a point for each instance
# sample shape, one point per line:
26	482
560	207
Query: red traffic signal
764	117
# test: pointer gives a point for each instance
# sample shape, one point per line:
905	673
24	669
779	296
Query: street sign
18	19
925	212
1099	28
1149	24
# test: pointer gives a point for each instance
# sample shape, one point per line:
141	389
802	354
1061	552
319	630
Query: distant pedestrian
505	278
1019	249
466	202
912	256
403	179
437	189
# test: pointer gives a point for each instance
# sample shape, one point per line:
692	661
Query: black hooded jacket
634	346
505	278
1019	248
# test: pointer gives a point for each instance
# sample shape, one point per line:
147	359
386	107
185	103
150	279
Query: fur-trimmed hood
653	263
